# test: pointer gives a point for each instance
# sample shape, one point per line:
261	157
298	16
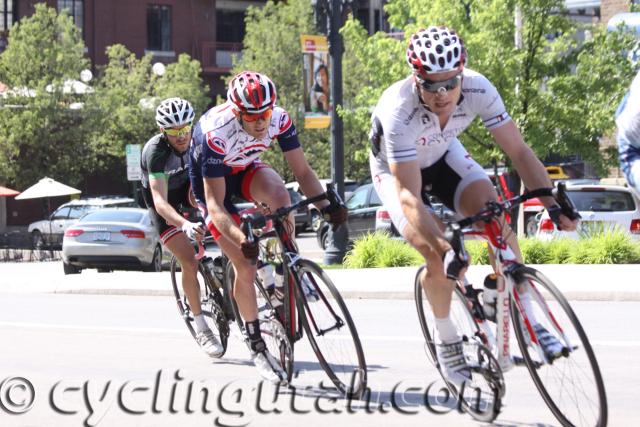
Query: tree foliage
272	47
40	134
67	136
561	92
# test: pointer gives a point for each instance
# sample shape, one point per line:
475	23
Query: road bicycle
569	380
326	322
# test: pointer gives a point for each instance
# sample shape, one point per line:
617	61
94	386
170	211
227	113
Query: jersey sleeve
490	107
628	118
399	136
287	134
213	154
155	161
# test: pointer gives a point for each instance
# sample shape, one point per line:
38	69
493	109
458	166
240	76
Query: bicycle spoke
570	383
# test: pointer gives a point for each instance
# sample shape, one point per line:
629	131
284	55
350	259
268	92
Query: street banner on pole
317	100
134	173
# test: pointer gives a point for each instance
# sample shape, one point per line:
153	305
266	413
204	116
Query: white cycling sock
201	324
447	330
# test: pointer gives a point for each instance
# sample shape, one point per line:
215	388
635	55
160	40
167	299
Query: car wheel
316	220
156	261
37	241
325	240
531	225
70	269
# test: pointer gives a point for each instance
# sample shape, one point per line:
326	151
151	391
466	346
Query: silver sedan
110	239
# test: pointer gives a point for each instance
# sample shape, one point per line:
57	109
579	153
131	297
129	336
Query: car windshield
602	201
104	215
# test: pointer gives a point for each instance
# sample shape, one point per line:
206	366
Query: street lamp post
332	10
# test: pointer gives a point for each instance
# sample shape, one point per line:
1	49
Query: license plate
102	236
592	226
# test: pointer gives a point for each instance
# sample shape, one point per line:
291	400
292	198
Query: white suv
49	232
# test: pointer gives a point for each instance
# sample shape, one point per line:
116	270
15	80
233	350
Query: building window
159	27
230	27
75	9
7	14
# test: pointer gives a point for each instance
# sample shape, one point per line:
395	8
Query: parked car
601	207
49	232
316	218
533	208
302	215
112	239
366	215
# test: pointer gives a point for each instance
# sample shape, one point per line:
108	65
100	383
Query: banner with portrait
317	100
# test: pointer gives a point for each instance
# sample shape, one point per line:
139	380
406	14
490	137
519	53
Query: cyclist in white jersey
224	161
628	121
415	153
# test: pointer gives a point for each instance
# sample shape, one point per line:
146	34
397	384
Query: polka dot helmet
435	50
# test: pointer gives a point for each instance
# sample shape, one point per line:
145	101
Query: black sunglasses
441	87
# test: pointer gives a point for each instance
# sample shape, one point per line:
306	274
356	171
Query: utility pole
332	9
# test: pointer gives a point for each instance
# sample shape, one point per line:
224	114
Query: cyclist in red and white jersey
415	152
224	161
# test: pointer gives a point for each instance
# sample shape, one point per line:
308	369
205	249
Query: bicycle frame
506	265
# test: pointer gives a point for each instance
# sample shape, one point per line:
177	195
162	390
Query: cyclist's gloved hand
454	263
193	230
250	250
563	219
335	214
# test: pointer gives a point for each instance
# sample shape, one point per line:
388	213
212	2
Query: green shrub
379	250
603	247
606	247
478	251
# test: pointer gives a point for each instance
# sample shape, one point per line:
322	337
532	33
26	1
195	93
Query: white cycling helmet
435	50
252	92
174	112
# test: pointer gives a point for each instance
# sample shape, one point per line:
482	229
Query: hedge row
607	247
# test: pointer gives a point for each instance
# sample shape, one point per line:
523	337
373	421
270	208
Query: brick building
208	30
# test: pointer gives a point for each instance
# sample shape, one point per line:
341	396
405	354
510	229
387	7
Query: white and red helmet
251	92
435	50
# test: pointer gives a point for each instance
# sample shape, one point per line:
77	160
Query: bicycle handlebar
495	209
251	221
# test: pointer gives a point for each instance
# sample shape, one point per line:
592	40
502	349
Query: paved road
114	360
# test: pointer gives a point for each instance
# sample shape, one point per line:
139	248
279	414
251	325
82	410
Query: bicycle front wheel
569	381
211	303
271	328
330	330
482	396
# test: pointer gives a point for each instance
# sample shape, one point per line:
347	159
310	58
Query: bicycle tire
563	314
211	302
475	351
321	317
271	328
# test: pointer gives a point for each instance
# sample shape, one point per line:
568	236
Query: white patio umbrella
47	187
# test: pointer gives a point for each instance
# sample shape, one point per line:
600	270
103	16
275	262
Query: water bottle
490	296
266	274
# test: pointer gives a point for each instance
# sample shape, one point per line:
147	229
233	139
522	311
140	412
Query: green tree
272	47
127	93
566	91
41	131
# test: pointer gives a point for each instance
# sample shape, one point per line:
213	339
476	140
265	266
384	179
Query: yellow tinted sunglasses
178	132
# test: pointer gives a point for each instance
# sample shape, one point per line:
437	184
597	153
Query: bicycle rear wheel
330	330
571	383
482	398
272	331
211	303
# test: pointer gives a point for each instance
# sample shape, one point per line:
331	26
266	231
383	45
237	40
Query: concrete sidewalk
583	282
